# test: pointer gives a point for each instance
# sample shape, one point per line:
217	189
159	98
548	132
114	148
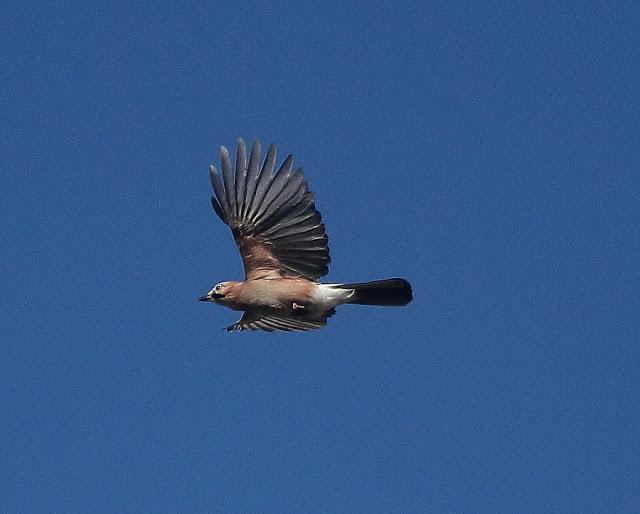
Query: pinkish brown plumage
284	249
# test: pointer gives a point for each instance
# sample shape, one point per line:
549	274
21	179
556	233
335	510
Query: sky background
486	151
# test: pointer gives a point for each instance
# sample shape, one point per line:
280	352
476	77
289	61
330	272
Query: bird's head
218	293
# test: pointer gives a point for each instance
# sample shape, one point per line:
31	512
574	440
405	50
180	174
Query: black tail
392	291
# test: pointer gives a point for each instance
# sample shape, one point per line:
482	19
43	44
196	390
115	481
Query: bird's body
284	249
277	293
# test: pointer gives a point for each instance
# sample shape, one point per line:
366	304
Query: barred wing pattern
272	217
272	321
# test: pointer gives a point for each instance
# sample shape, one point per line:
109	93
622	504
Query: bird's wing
271	321
272	215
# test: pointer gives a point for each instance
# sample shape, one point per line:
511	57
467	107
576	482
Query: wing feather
291	219
272	216
221	197
307	228
241	176
271	321
227	176
296	240
291	199
277	185
266	176
219	211
253	174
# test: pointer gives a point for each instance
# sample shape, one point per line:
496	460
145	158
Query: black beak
207	297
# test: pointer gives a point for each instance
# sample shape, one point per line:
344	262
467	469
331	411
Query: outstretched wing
272	216
271	321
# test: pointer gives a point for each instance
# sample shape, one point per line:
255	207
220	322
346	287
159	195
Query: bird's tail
391	291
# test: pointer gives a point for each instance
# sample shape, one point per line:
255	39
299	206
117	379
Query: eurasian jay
284	249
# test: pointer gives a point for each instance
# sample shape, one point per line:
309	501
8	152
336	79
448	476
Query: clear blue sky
487	151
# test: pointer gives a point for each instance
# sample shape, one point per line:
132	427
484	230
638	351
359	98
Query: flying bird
284	248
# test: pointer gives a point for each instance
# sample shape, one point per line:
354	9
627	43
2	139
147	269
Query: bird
284	248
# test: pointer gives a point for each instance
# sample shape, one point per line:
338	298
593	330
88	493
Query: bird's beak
208	297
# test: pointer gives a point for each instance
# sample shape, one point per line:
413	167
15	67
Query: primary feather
272	216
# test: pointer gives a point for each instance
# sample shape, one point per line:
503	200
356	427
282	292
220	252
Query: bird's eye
217	288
